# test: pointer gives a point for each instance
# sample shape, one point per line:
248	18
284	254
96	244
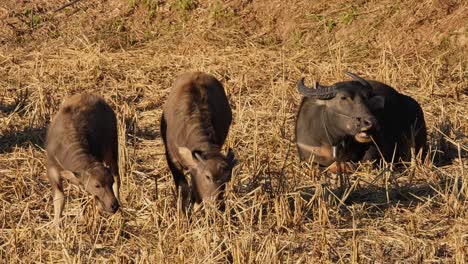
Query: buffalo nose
115	206
367	123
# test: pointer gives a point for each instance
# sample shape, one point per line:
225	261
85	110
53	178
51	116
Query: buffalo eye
343	97
97	186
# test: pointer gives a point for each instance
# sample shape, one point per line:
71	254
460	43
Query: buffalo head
348	106
209	174
97	181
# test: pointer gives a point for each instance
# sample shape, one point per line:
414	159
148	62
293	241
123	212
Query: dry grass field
278	210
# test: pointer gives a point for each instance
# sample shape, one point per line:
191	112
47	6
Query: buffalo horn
359	79
321	92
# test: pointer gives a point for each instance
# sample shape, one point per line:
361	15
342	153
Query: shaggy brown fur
82	147
194	126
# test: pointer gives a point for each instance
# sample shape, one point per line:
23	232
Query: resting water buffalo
194	126
82	147
338	123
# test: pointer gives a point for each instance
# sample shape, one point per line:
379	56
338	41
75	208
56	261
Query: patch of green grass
349	16
148	34
132	4
119	25
328	23
153	6
219	13
217	10
185	5
35	20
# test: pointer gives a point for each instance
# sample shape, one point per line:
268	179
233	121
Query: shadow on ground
444	151
19	103
148	134
378	199
34	136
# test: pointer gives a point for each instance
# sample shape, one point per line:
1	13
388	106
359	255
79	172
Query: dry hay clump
278	210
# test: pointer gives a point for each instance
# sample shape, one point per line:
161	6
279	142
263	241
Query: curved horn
359	79
321	92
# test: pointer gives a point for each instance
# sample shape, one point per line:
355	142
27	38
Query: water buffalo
194	126
341	122
81	147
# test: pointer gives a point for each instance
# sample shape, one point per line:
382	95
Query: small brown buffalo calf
194	126
82	147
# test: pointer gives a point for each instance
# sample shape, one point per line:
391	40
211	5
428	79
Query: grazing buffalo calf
194	126
82	147
338	123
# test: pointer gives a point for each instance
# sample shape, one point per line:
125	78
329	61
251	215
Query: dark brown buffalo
82	147
346	116
194	126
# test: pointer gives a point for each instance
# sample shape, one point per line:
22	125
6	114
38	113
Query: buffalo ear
198	156
71	176
377	102
231	158
187	157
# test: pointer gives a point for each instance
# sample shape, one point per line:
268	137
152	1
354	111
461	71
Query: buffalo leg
341	175
371	154
342	171
57	193
180	182
179	178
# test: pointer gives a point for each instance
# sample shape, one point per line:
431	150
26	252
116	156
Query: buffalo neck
76	157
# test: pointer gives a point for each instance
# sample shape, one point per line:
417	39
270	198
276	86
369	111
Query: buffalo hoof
343	167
